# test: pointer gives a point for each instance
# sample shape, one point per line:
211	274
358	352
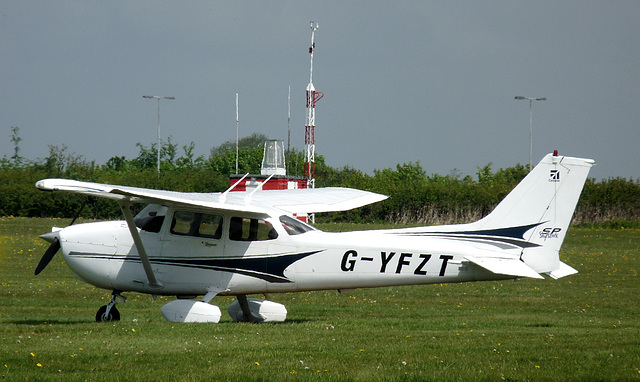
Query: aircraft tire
114	315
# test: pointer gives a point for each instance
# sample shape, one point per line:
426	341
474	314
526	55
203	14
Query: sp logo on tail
550	233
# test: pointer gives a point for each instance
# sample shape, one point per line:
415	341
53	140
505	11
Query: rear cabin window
188	223
249	229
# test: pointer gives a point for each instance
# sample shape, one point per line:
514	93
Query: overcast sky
404	81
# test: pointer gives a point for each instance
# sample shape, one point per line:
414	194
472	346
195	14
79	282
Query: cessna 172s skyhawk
242	243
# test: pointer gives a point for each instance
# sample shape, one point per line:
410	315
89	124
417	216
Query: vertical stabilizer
545	201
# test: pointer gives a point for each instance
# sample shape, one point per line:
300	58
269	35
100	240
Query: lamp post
531	122
158	98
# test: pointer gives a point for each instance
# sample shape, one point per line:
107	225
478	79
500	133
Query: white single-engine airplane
242	243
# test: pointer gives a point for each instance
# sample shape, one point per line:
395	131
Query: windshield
295	226
150	219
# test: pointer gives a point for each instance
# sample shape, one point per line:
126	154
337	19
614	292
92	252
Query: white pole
158	147
237	134
531	99
530	133
158	98
288	129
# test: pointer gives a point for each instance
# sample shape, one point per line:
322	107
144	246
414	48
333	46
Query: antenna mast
313	96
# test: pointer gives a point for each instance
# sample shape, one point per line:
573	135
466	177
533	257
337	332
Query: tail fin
541	207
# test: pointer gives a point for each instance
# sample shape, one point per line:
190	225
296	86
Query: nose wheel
109	312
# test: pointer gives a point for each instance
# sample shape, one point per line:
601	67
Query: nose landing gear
109	312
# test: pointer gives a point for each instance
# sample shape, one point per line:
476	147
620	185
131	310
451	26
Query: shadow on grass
35	322
50	322
286	322
293	321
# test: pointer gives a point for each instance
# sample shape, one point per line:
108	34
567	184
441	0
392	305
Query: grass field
582	327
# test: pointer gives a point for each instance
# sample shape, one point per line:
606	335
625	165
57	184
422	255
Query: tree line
414	196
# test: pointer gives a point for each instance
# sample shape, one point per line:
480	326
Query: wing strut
223	196
247	199
125	207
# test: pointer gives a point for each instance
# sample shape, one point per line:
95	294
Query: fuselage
272	255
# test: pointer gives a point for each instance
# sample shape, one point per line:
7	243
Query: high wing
295	201
316	199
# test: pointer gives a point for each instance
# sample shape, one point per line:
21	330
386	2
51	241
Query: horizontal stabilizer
562	271
505	266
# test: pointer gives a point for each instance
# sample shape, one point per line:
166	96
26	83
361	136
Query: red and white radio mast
313	96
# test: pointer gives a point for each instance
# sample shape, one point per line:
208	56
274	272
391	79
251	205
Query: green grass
582	327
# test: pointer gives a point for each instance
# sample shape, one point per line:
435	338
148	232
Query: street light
158	98
531	122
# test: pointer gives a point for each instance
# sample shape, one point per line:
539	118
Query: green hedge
414	196
424	199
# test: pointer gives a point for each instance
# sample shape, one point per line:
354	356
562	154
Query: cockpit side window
151	218
187	223
210	226
294	226
184	223
251	229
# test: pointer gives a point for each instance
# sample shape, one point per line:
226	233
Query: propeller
48	255
54	239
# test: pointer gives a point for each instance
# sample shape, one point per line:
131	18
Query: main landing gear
109	312
256	310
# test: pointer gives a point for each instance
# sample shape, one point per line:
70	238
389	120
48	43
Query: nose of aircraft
50	236
53	238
